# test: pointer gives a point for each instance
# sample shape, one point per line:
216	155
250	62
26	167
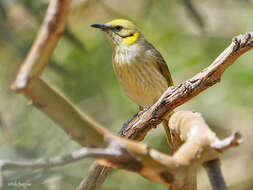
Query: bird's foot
142	111
125	125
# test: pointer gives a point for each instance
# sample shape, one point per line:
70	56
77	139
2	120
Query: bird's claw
126	124
142	111
241	41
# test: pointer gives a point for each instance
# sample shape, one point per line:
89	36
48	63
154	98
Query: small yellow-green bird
139	67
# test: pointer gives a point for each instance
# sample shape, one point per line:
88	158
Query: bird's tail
169	133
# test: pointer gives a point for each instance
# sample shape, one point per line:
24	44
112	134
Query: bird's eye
118	28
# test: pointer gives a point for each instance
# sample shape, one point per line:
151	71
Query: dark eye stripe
118	28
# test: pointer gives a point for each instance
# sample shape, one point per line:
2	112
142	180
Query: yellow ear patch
129	40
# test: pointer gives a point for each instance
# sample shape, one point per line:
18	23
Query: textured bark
178	95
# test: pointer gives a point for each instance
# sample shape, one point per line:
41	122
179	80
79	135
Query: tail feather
171	138
165	124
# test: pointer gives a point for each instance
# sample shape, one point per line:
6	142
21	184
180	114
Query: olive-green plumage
139	67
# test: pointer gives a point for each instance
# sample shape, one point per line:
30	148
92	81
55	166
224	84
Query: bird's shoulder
155	57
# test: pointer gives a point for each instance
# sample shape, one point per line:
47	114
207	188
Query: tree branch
55	162
175	96
59	160
95	177
177	170
215	176
234	139
178	95
51	30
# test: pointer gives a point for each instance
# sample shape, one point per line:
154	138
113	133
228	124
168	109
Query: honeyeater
140	68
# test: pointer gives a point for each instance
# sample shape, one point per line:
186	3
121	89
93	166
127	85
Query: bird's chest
140	80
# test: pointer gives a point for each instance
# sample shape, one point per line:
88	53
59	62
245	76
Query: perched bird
140	68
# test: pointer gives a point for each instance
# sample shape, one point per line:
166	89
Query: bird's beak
101	26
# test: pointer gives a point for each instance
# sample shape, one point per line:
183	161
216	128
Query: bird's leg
125	125
142	110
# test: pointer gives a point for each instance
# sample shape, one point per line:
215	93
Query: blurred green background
189	34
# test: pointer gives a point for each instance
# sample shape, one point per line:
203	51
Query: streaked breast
140	80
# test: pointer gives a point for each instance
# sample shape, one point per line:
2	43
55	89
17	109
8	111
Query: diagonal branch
175	96
51	30
177	170
95	178
178	95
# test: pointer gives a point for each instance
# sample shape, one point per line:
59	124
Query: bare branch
95	177
79	126
58	161
177	170
138	130
233	140
180	169
43	48
215	176
178	95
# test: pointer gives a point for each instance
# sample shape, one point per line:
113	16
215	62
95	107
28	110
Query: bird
140	69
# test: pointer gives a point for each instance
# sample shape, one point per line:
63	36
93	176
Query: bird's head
120	32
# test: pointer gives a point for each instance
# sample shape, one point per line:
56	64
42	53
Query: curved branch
43	48
178	95
175	96
177	170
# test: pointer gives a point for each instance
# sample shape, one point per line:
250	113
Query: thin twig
95	177
233	140
215	175
59	160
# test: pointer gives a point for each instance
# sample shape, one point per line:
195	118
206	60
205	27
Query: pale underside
142	82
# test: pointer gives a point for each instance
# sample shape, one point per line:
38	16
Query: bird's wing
160	64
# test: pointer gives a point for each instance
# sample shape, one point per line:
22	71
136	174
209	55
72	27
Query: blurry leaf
37	9
147	7
69	35
2	11
192	10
